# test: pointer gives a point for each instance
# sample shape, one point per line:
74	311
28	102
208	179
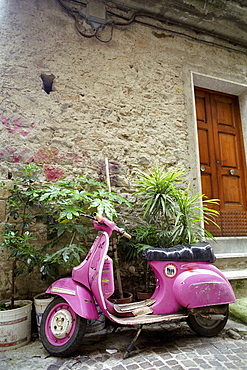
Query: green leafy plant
143	236
172	215
65	202
59	206
16	236
178	215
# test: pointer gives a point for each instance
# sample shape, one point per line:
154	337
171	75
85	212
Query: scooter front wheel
208	327
61	329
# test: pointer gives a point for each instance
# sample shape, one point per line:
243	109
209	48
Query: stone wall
130	99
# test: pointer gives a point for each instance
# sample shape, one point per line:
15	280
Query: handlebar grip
128	236
97	217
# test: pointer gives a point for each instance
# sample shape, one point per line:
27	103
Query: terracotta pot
141	296
128	297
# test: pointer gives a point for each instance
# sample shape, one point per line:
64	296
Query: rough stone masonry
130	99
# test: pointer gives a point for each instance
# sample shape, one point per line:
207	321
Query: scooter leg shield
201	287
78	297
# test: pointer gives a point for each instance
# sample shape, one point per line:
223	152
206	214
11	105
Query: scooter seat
202	252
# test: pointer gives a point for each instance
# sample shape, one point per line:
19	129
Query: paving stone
172	363
204	366
188	363
230	365
133	367
215	364
54	367
157	363
224	353
145	365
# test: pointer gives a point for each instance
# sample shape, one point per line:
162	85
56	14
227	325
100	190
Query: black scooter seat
202	252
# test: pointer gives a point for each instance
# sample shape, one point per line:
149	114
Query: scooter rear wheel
207	327
61	329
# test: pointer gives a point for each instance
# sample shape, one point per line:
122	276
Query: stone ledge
235	274
230	255
229	245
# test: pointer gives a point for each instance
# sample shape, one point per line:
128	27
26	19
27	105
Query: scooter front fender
201	287
78	297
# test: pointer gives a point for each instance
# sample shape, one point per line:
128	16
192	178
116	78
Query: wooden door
222	160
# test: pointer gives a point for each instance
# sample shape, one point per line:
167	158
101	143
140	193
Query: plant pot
41	301
141	296
15	325
128	297
98	324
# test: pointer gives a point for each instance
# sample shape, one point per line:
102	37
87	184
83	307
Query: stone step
230	255
231	261
229	245
233	265
235	274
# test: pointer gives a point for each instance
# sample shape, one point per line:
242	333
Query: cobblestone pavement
167	346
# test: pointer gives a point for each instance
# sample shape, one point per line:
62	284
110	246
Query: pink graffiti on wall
53	174
45	156
51	155
17	126
16	157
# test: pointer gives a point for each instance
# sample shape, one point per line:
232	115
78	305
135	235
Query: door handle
202	168
232	172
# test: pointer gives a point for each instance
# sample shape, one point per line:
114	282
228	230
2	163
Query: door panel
207	184
228	157
231	190
222	160
204	147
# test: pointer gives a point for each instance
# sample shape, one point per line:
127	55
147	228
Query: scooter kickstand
131	345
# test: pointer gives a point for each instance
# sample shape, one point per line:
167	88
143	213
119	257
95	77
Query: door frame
219	85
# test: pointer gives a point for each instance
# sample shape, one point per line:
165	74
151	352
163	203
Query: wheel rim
60	324
206	323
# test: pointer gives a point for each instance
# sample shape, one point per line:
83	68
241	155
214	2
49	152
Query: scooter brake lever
88	216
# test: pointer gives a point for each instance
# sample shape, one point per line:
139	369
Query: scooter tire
206	327
61	329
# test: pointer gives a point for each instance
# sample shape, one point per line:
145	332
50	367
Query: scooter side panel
78	297
200	287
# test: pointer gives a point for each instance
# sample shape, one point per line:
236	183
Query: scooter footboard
78	297
200	287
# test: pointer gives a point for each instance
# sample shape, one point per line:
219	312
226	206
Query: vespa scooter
188	287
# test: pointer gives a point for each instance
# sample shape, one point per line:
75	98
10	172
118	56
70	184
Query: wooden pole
119	282
108	180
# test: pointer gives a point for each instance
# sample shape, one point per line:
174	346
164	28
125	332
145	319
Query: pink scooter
188	287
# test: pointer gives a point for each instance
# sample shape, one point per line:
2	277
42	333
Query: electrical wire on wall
81	27
124	17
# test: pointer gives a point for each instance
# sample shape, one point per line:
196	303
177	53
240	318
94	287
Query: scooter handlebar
126	235
99	218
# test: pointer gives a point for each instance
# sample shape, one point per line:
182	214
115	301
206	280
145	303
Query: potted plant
15	314
64	202
172	214
58	206
178	214
143	236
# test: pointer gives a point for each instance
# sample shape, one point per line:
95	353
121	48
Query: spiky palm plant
179	215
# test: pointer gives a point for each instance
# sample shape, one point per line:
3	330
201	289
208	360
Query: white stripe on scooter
62	290
101	268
